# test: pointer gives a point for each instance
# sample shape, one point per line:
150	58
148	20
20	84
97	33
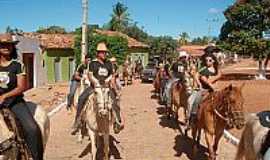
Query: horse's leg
93	143
194	145
106	147
219	133
209	141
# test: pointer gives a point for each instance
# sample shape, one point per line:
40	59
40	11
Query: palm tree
184	38
120	17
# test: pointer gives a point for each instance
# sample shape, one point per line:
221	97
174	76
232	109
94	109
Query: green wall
136	53
64	55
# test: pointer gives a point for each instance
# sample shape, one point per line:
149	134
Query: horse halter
103	100
229	115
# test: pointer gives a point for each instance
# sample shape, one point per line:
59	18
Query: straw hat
161	65
113	59
8	38
182	54
102	47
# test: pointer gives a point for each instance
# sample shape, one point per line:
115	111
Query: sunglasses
209	60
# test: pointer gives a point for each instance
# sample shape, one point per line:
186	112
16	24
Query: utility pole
84	29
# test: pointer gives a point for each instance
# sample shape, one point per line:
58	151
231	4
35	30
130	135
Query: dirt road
148	135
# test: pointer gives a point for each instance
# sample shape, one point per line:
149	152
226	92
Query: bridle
224	111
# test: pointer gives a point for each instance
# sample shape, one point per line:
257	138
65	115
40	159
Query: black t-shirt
101	71
80	70
178	69
8	77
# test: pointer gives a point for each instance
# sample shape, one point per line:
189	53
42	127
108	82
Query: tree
184	38
201	40
242	32
119	18
52	30
14	30
118	46
164	46
136	32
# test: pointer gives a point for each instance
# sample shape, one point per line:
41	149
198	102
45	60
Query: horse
255	140
138	70
179	98
98	118
157	82
127	74
11	144
219	110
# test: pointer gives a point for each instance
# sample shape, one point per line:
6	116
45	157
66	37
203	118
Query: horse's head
234	101
103	101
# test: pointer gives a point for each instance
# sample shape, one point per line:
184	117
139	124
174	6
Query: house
193	50
29	52
136	50
58	57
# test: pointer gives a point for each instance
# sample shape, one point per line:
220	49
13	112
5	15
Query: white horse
99	118
42	119
253	140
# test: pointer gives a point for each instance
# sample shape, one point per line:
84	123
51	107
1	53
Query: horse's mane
265	144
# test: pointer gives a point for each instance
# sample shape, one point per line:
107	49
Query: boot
76	126
117	127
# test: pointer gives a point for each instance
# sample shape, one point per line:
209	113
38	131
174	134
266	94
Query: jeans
168	90
118	84
72	90
31	131
193	102
82	100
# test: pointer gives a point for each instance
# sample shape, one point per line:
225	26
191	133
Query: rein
221	106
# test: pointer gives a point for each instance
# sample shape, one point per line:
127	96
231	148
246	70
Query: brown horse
179	98
157	82
219	110
127	74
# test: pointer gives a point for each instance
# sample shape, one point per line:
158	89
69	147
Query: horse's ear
230	87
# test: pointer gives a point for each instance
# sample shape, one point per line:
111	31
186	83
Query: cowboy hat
182	54
211	49
8	38
102	47
113	59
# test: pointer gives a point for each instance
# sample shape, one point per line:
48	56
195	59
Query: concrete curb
230	138
57	109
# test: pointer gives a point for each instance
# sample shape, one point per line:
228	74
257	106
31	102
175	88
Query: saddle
264	118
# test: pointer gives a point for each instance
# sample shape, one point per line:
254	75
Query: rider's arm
213	79
77	76
206	81
78	73
92	79
21	87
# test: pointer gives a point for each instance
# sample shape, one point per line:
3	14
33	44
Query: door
28	60
57	69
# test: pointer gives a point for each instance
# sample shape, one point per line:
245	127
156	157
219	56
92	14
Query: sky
157	17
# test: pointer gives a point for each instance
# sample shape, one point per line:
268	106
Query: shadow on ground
183	144
114	152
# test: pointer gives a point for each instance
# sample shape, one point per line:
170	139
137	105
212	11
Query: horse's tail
241	147
266	144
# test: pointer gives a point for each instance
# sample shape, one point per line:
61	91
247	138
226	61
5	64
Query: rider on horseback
100	73
208	75
12	86
75	81
178	72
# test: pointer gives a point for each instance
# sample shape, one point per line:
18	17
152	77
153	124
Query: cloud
214	11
